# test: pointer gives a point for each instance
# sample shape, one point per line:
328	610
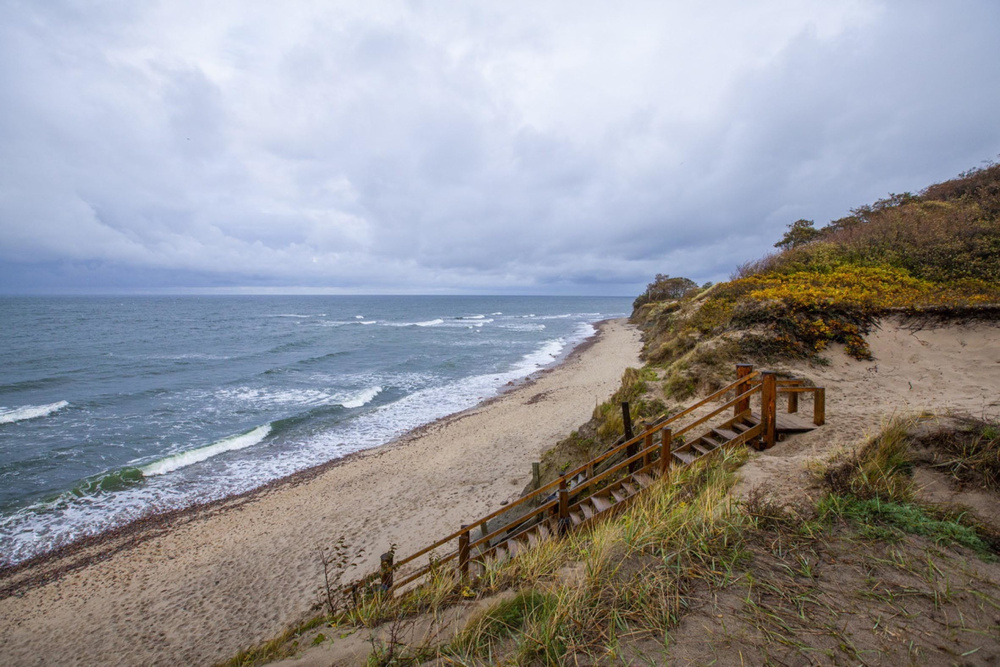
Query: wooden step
500	553
629	488
619	494
704	445
725	434
642	479
587	509
544	532
740	427
532	537
601	503
513	547
576	518
684	457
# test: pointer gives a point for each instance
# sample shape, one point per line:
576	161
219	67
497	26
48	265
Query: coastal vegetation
865	569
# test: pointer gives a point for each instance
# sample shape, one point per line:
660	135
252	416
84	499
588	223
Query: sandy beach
200	586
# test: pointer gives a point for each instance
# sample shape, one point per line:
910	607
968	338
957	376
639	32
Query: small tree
665	288
799	233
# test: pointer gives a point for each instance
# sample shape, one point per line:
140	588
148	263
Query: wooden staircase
609	482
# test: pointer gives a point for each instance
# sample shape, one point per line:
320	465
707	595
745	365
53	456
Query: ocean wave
362	398
11	415
192	456
428	323
516	326
258	397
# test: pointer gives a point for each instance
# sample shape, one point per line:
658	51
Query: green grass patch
885	520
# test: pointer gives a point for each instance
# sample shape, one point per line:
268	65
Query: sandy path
238	574
938	370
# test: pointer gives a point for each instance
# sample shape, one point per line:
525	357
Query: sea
115	408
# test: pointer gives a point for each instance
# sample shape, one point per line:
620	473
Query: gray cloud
538	147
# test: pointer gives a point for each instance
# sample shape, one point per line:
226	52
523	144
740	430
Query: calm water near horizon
112	407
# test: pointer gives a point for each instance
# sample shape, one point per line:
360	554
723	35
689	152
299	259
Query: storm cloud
557	147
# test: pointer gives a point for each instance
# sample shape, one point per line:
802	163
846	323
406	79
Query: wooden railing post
768	408
647	446
386	570
563	506
665	454
742	370
536	476
793	402
819	406
463	553
627	420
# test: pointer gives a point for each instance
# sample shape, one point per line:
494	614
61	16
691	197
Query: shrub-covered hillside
936	251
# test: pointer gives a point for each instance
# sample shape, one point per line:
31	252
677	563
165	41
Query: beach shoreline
94	561
127	535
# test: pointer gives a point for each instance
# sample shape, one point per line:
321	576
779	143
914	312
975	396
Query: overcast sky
491	147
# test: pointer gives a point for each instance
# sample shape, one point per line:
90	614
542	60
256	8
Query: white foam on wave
11	415
515	326
359	317
367	322
362	398
428	323
192	456
258	397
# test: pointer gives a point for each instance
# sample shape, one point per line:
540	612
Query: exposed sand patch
939	370
239	573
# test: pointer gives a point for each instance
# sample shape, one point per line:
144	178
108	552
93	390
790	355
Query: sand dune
915	369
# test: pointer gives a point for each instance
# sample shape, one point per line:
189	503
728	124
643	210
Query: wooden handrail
635	457
503	529
717	411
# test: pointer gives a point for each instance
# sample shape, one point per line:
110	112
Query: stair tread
576	518
643	479
543	531
725	433
587	509
619	494
629	488
704	446
600	502
685	457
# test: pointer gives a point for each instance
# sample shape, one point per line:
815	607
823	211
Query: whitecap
362	398
192	456
11	415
